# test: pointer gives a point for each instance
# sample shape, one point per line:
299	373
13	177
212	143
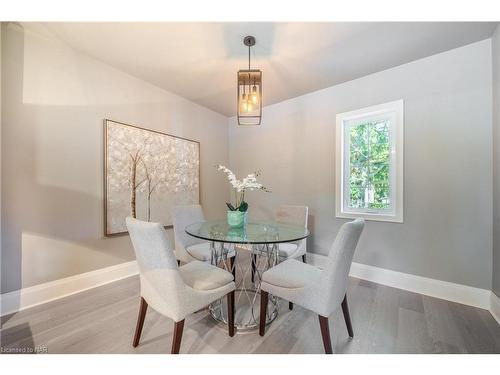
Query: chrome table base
247	302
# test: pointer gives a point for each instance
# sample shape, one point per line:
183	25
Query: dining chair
296	215
319	290
189	248
288	214
171	290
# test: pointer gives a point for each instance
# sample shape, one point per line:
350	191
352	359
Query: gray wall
447	229
54	102
496	161
1	23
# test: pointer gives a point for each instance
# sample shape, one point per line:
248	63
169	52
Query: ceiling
199	61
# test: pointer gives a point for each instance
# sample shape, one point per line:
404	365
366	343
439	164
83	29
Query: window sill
372	217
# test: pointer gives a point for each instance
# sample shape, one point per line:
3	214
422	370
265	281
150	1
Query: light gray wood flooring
385	320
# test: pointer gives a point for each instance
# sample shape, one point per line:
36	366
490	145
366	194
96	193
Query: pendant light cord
249	69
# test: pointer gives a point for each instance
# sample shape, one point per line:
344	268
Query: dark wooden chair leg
254	262
264	297
290	305
347	317
176	341
140	322
230	313
232	267
325	333
304	258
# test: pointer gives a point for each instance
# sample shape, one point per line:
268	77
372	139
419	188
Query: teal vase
236	219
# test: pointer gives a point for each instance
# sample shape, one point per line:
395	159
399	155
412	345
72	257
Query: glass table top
252	233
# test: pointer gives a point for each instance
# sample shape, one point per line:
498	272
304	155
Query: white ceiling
199	61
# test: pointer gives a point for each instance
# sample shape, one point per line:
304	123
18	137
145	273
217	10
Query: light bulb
249	106
244	103
244	106
254	96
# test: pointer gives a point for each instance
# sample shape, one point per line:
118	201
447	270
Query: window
369	163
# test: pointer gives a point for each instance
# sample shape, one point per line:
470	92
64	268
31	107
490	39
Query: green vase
236	234
236	219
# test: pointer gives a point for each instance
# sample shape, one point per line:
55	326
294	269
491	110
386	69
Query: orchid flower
239	186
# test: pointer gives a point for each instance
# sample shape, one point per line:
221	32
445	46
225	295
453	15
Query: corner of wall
495	54
1	27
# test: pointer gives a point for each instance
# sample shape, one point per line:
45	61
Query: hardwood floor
384	319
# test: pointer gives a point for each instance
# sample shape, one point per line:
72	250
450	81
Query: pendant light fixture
249	91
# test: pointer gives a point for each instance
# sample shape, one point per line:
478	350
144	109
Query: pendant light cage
249	91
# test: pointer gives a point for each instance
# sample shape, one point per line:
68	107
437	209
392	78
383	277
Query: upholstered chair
288	214
296	215
188	248
319	290
171	290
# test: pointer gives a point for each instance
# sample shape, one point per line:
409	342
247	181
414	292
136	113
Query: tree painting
147	174
135	158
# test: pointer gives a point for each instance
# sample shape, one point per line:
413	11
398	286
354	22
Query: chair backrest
297	215
336	272
151	245
162	285
288	214
184	216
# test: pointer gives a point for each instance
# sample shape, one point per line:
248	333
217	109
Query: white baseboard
467	295
495	307
43	293
28	297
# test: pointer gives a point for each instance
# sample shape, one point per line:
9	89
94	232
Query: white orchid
247	183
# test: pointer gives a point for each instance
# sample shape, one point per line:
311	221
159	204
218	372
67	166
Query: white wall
496	161
447	229
54	101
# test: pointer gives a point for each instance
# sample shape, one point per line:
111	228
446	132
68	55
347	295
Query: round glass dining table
260	240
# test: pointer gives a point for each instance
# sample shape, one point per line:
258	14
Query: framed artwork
146	174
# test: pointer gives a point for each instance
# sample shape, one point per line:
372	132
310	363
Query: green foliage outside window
369	159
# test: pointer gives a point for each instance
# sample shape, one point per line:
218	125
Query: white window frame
395	110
